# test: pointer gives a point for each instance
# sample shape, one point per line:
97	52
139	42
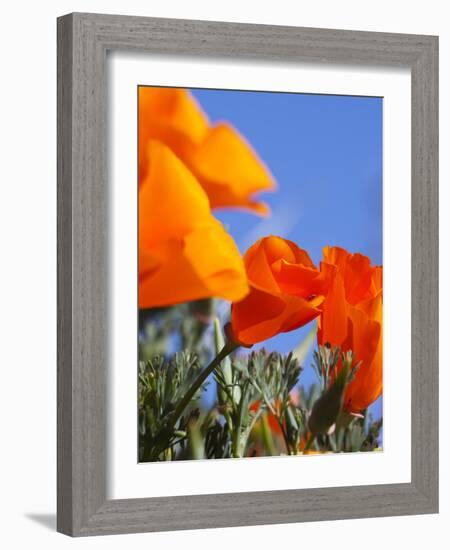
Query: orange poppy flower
184	252
351	318
222	161
286	290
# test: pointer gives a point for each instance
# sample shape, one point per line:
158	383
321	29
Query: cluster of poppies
345	294
187	167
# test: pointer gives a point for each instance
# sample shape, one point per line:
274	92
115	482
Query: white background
28	270
127	479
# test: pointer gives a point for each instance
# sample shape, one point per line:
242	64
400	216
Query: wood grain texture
425	273
83	199
64	266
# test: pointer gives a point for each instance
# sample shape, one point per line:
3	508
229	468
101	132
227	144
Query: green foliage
274	376
162	384
261	407
328	406
217	438
185	322
325	360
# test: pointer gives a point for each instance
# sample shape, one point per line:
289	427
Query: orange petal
373	307
258	269
333	321
266	259
170	115
377	279
257	317
206	265
336	256
223	162
365	342
185	253
171	201
352	319
149	261
262	315
277	248
303	281
174	282
229	170
215	257
358	278
300	312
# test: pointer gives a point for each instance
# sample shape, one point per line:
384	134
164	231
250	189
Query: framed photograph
247	274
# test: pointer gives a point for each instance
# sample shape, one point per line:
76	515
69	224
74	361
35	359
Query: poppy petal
185	253
170	115
229	170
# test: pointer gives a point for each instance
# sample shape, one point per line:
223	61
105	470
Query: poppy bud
329	405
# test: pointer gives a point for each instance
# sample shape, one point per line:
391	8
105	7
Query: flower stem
152	450
228	348
267	436
309	443
285	437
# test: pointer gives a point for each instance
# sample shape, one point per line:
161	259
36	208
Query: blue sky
325	153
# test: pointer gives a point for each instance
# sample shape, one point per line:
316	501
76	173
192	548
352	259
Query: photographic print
260	296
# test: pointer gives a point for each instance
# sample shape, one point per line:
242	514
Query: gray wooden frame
83	41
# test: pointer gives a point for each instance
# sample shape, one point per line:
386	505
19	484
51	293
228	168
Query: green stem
237	427
309	443
228	348
277	416
267	435
285	437
160	443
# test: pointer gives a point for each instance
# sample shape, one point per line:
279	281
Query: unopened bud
329	405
